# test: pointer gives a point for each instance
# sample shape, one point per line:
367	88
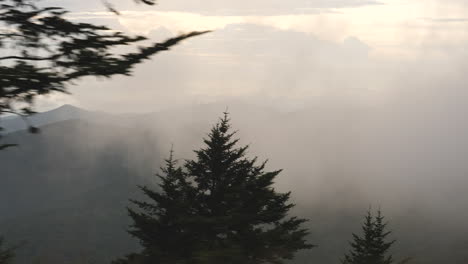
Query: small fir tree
220	208
160	223
372	247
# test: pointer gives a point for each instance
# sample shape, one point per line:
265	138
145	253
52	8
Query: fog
407	156
357	114
392	129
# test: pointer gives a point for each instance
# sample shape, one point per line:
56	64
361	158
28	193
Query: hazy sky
283	53
383	84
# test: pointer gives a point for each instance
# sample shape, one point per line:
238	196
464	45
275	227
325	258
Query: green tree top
372	246
221	205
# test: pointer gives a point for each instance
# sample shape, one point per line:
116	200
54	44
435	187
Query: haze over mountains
64	191
65	112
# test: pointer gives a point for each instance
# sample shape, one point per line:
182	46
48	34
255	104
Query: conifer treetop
220	207
372	246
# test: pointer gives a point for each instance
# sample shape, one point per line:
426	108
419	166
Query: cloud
405	75
240	61
445	20
373	121
354	53
145	22
222	7
262	7
394	29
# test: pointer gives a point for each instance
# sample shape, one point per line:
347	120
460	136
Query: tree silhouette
372	247
218	208
46	52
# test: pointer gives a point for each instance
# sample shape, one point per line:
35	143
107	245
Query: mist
359	102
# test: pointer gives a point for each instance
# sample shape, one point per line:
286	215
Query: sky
381	86
287	54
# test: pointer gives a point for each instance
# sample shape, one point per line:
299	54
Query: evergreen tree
160	224
372	247
44	52
220	208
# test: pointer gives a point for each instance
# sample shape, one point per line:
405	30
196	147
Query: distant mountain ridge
62	113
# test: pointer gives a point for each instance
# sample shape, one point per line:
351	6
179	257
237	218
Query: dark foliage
372	247
219	208
46	52
148	2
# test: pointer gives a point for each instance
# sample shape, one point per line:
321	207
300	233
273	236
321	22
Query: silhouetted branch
5	146
148	2
66	51
29	58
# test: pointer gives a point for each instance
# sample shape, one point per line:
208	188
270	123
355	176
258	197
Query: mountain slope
65	112
64	191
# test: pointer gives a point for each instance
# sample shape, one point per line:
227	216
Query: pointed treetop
171	152
220	207
372	246
224	125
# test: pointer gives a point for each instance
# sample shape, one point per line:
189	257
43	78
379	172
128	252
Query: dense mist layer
338	160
